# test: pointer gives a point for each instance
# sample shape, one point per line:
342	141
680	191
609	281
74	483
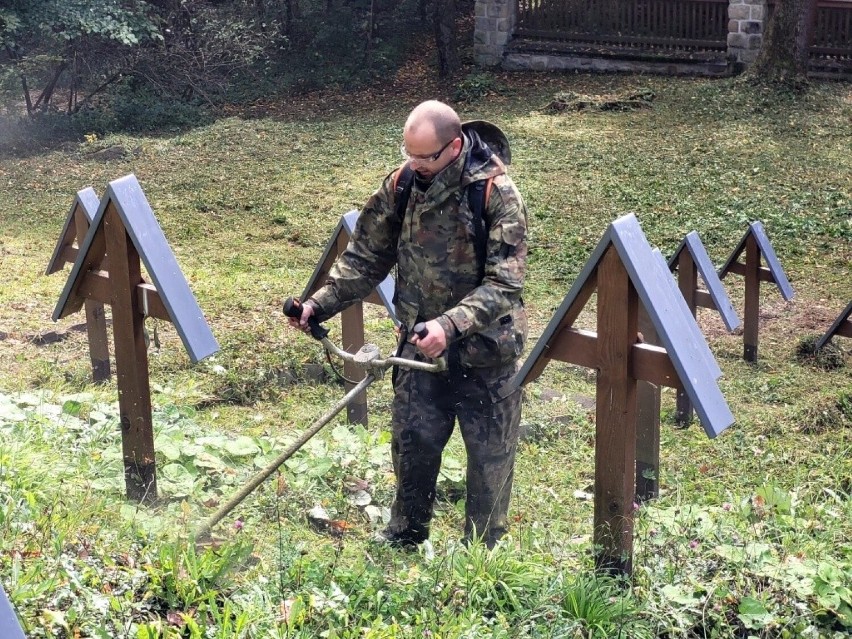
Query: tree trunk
783	57
445	36
47	93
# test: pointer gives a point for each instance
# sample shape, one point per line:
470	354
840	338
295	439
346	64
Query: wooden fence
833	29
672	24
693	24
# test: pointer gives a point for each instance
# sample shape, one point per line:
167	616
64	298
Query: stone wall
745	29
495	21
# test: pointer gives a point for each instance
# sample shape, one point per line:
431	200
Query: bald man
469	297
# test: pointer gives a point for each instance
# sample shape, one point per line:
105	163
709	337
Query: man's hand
434	343
301	324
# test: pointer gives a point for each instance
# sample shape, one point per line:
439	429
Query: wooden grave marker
126	230
756	244
841	326
690	260
10	627
77	222
352	318
628	276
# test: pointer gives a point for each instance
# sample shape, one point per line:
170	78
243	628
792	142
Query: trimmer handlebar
293	308
420	330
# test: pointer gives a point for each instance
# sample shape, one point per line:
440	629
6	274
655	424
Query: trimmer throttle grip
293	308
420	330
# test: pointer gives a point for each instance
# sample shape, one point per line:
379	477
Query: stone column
745	30
495	21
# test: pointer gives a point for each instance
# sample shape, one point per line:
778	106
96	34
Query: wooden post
647	424
95	318
687	280
352	334
615	439
647	441
751	309
131	362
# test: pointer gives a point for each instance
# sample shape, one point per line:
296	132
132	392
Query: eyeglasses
423	158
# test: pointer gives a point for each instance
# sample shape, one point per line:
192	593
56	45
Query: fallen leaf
338	527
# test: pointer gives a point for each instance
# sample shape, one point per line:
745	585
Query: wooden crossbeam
705	300
763	273
95	285
845	329
645	361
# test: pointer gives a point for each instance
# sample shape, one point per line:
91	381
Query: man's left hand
434	343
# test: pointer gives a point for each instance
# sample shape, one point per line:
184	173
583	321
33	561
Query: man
470	300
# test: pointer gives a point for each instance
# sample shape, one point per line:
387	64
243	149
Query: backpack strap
402	181
477	198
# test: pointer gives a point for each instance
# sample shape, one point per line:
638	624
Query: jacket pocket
499	344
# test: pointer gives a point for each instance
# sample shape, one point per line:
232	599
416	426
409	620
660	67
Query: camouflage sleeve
368	257
505	265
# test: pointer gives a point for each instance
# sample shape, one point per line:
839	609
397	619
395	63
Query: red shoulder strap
488	184
397	174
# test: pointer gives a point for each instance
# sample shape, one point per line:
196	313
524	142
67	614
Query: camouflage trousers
426	407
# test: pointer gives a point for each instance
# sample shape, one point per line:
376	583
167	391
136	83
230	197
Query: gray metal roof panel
833	329
692	243
772	262
87	200
675	326
10	627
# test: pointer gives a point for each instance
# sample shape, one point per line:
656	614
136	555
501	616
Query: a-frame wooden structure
755	243
352	318
80	215
126	230
841	326
628	275
690	260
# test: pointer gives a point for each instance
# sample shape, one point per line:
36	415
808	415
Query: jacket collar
475	162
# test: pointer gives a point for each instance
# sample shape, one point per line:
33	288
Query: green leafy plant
599	606
475	87
181	576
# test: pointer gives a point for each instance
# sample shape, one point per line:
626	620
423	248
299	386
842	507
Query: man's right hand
308	310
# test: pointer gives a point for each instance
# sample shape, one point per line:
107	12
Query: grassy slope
248	204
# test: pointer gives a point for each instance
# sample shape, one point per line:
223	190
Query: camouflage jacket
433	247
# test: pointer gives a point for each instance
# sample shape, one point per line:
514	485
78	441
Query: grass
748	538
